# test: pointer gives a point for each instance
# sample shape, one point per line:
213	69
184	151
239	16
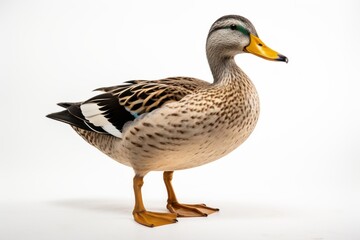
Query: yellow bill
258	48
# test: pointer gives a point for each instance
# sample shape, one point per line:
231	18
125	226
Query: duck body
202	127
176	123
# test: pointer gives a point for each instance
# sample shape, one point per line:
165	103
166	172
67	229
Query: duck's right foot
154	219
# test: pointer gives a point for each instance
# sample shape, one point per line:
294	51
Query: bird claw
154	219
190	210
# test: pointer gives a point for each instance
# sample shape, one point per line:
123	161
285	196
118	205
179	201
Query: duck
176	123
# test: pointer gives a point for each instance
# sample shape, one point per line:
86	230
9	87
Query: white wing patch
94	115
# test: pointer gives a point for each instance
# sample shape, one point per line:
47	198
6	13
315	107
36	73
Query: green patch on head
239	28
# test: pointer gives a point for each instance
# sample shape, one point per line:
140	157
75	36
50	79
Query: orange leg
149	219
184	210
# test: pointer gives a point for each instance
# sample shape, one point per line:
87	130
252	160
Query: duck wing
107	113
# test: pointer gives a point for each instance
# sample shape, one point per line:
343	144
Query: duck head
231	35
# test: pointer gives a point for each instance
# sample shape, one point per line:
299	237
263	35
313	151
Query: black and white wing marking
105	111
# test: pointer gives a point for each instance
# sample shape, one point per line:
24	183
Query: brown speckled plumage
176	123
209	122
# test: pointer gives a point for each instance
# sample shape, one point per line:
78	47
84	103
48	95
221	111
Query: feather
115	109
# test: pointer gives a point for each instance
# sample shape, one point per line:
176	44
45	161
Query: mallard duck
176	123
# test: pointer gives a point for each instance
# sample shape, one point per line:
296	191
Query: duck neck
224	69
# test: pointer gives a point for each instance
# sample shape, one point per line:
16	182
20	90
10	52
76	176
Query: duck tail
66	104
66	117
73	116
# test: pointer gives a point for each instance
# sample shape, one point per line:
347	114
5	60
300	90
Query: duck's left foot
190	210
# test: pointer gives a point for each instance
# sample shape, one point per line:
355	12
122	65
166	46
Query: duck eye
233	27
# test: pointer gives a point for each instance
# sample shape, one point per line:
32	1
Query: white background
297	176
